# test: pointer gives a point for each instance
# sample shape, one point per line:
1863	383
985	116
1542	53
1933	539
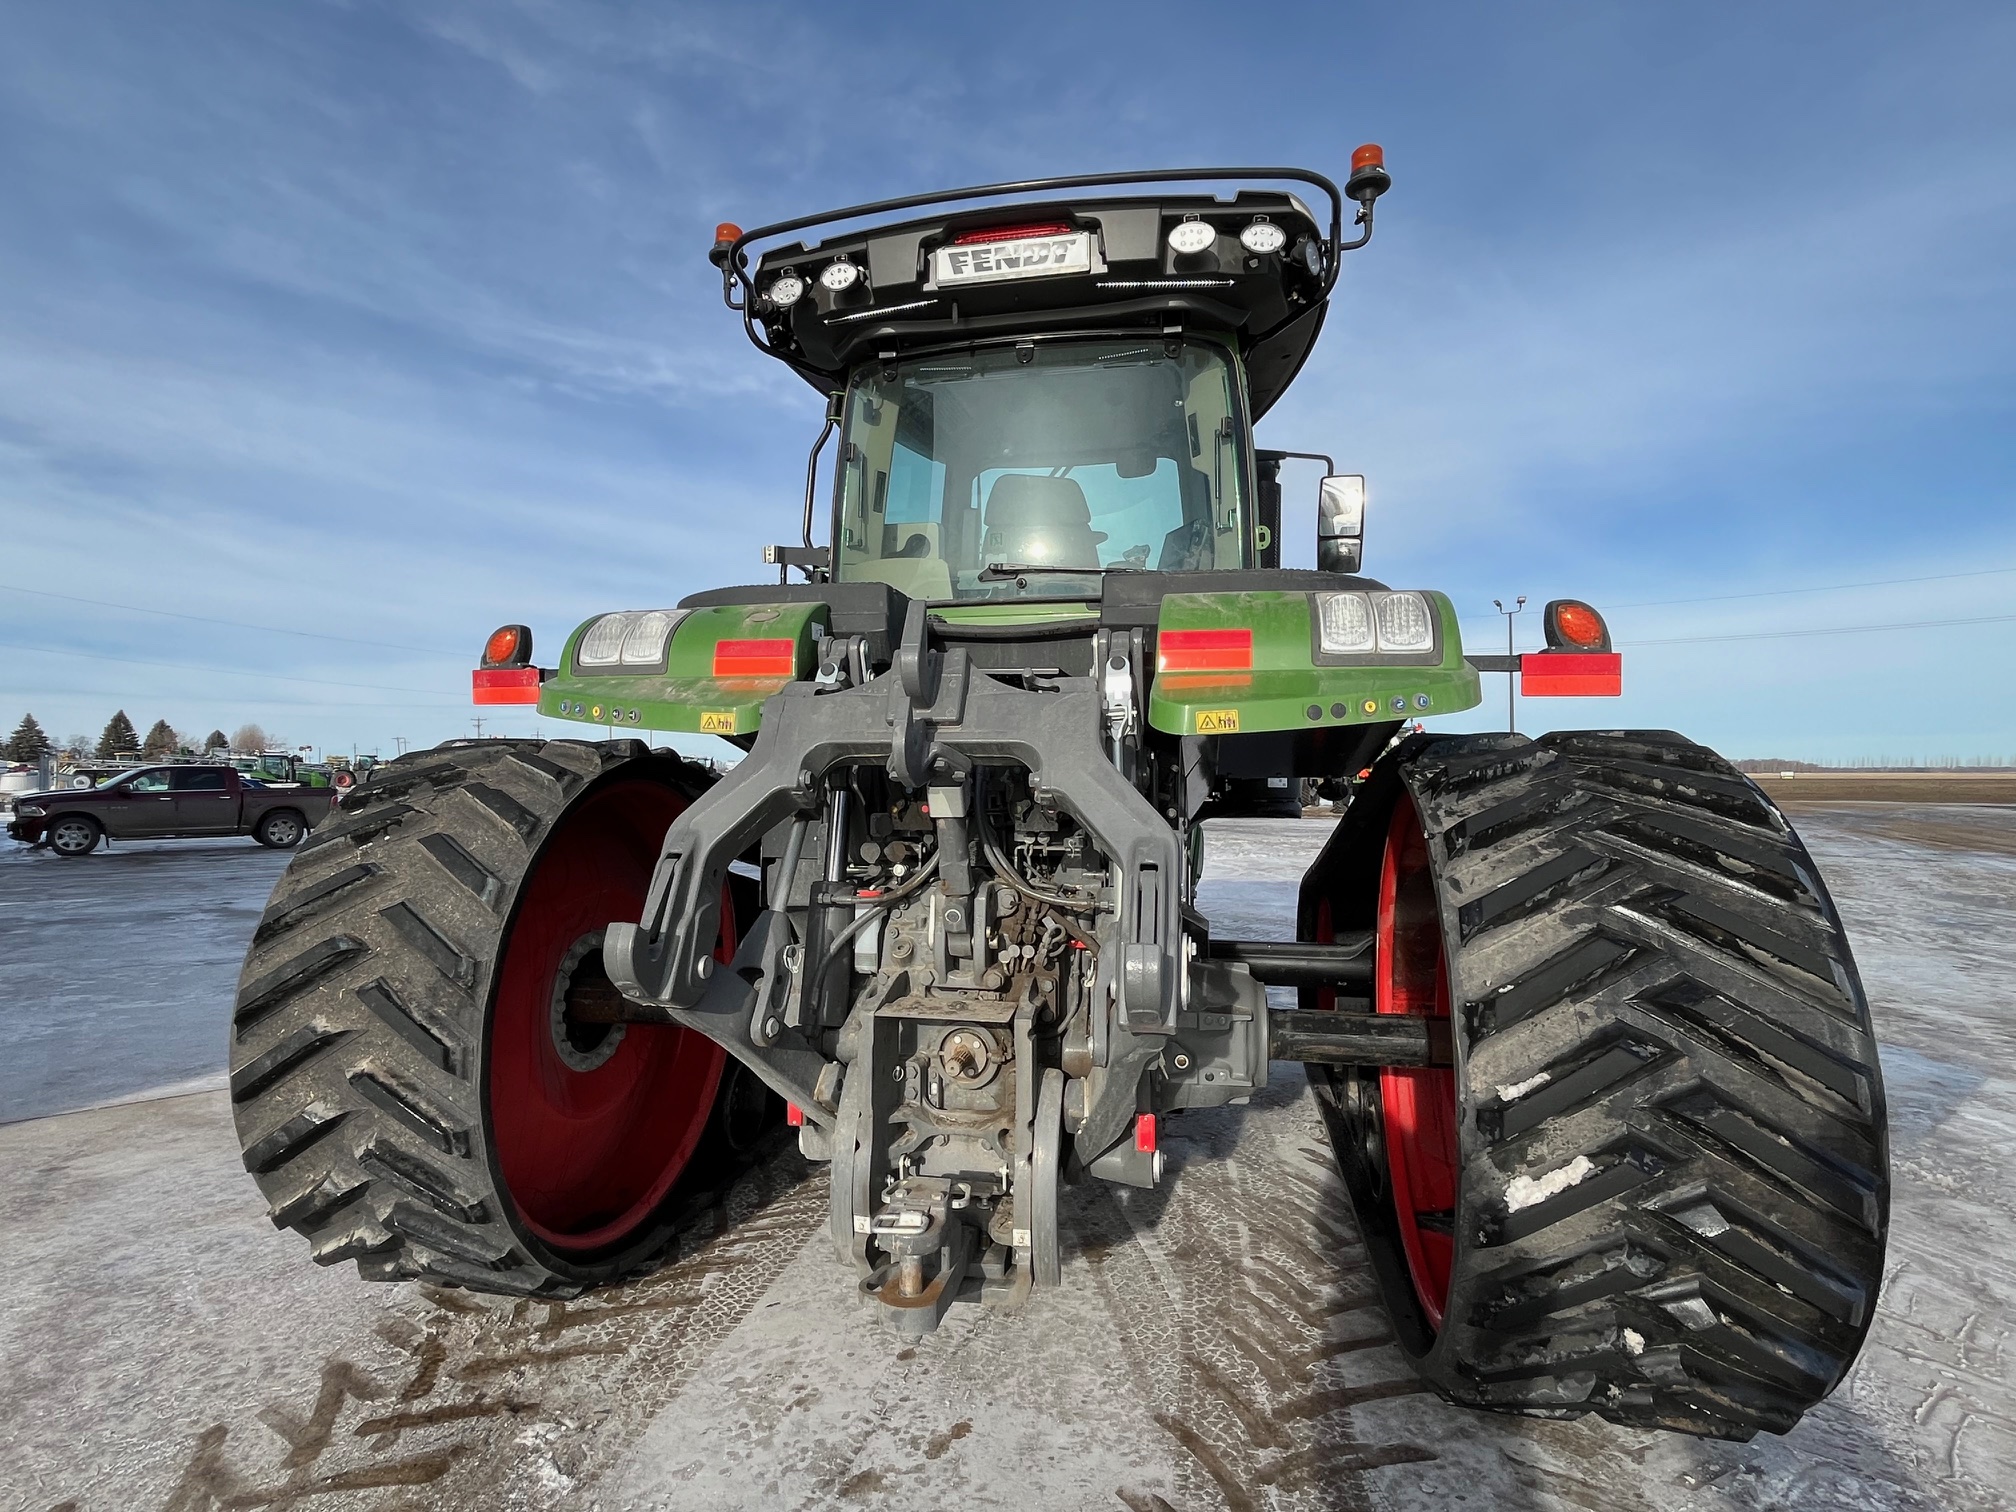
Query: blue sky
379	325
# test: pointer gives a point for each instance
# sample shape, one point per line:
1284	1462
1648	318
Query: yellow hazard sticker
595	712
717	722
1217	721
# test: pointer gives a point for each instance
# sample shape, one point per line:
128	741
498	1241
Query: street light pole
1511	676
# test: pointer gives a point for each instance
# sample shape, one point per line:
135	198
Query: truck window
197	780
148	782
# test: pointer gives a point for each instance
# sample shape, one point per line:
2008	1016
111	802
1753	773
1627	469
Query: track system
1654	1183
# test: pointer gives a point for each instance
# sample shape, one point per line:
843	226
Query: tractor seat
1039	521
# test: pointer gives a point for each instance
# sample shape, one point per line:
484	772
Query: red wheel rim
1419	1103
589	1155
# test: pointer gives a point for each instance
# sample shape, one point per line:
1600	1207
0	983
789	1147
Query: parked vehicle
169	803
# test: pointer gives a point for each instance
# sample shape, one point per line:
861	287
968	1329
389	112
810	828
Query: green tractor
1577	1010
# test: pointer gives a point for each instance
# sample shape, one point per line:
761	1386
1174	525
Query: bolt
772	1027
704	967
900	949
1180	1061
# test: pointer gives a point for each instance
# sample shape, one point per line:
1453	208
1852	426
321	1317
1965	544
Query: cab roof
1058	258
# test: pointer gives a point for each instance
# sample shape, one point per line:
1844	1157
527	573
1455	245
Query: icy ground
162	1346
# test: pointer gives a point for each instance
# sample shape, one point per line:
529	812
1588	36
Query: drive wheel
74	835
1654	1184
427	1073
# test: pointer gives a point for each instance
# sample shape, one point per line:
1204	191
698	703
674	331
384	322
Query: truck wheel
1654	1185
74	835
419	1079
281	830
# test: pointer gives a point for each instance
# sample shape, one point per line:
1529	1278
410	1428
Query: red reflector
755	658
1144	1133
1571	674
504	685
794	1115
1204	651
1012	233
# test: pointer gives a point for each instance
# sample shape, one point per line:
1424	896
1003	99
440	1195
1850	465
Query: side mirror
1340	523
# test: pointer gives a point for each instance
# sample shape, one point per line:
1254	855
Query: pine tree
216	740
162	741
120	737
28	741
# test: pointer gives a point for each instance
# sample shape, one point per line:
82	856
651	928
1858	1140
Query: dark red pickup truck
169	802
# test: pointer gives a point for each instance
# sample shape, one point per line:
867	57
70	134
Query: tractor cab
1034	396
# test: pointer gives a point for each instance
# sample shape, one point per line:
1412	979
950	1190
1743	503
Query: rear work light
1012	233
755	658
1204	651
1571	625
508	646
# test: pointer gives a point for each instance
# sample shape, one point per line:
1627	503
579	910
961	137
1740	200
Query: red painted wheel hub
1418	1103
589	1155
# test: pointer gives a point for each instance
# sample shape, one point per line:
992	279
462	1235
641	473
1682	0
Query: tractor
1577	1011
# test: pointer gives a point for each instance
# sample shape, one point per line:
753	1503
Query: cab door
140	806
206	800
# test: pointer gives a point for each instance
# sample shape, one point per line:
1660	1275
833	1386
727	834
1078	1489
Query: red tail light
504	685
1204	651
1012	233
1569	674
755	658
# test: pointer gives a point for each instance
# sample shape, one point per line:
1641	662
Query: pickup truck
169	802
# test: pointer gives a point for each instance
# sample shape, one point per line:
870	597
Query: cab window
1066	460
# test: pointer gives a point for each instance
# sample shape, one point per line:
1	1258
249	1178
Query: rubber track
362	1003
1662	1036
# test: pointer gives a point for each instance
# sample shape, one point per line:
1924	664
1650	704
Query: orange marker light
1371	155
727	231
755	658
1571	625
508	646
1204	651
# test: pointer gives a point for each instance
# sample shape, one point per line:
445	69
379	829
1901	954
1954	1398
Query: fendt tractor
1577	1011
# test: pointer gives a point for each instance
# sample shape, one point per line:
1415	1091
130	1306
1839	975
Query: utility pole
399	745
479	728
1511	677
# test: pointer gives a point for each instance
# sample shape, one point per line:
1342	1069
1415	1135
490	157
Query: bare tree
248	739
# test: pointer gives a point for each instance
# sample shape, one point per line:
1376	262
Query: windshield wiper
995	572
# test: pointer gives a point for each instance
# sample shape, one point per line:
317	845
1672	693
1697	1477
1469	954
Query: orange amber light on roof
1371	155
727	231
